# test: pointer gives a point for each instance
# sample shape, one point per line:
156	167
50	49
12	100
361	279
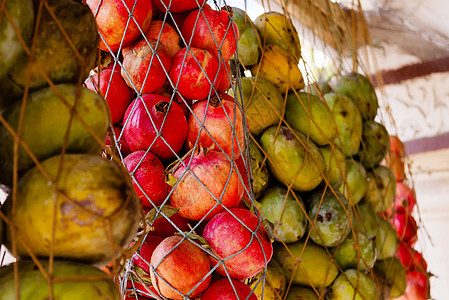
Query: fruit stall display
171	150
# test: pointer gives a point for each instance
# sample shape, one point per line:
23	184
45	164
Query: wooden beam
427	144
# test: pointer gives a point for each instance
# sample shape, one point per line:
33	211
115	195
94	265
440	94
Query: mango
277	66
45	124
318	88
355	187
356	252
264	104
73	281
249	41
380	188
349	122
91	208
311	116
259	169
359	88
301	293
335	165
306	264
275	283
292	159
276	29
366	219
353	285
374	146
387	241
62	61
391	272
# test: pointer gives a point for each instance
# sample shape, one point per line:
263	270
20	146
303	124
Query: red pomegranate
217	123
177	6
225	78
184	103
193	72
170	122
112	20
166	34
396	146
210	178
110	84
406	227
227	236
136	290
243	171
211	30
223	289
142	256
183	265
148	176
120	138
410	258
164	226
417	286
405	200
142	70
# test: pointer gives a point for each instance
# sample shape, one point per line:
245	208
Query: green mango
366	219
349	122
277	29
249	41
73	280
318	88
45	124
96	207
292	159
263	102
311	116
286	211
259	169
12	52
53	54
359	88
275	283
335	165
393	275
375	144
387	241
355	188
301	293
240	18
380	188
356	251
306	264
353	285
330	215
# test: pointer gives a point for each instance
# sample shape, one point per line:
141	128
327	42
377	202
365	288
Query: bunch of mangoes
69	211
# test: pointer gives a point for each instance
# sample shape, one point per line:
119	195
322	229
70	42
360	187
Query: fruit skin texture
191	80
99	186
139	130
37	125
289	161
147	172
417	286
112	18
33	284
139	60
335	165
366	219
277	66
392	275
330	217
53	53
356	182
227	236
406	227
223	290
410	258
320	126
347	255
110	84
315	268
213	170
218	119
405	199
376	143
185	266
380	188
121	142
275	282
177	6
301	293
162	227
218	33
356	286
386	240
248	44
142	256
169	38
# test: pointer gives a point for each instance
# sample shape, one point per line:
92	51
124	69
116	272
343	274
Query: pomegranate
211	30
405	200
406	227
177	6
167	36
396	146
144	71
217	123
223	289
142	256
121	143
164	227
228	234
417	286
210	179
184	103
179	264
170	122
194	79
410	258
148	176
224	77
112	21
110	84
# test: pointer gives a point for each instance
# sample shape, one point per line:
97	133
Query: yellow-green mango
73	280
355	188
375	144
311	116
45	123
357	251
306	264
264	104
387	241
276	29
297	292
277	66
292	158
366	219
249	41
95	213
275	283
380	188
353	285
391	272
335	165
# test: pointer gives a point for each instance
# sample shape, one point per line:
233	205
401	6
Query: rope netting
176	146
